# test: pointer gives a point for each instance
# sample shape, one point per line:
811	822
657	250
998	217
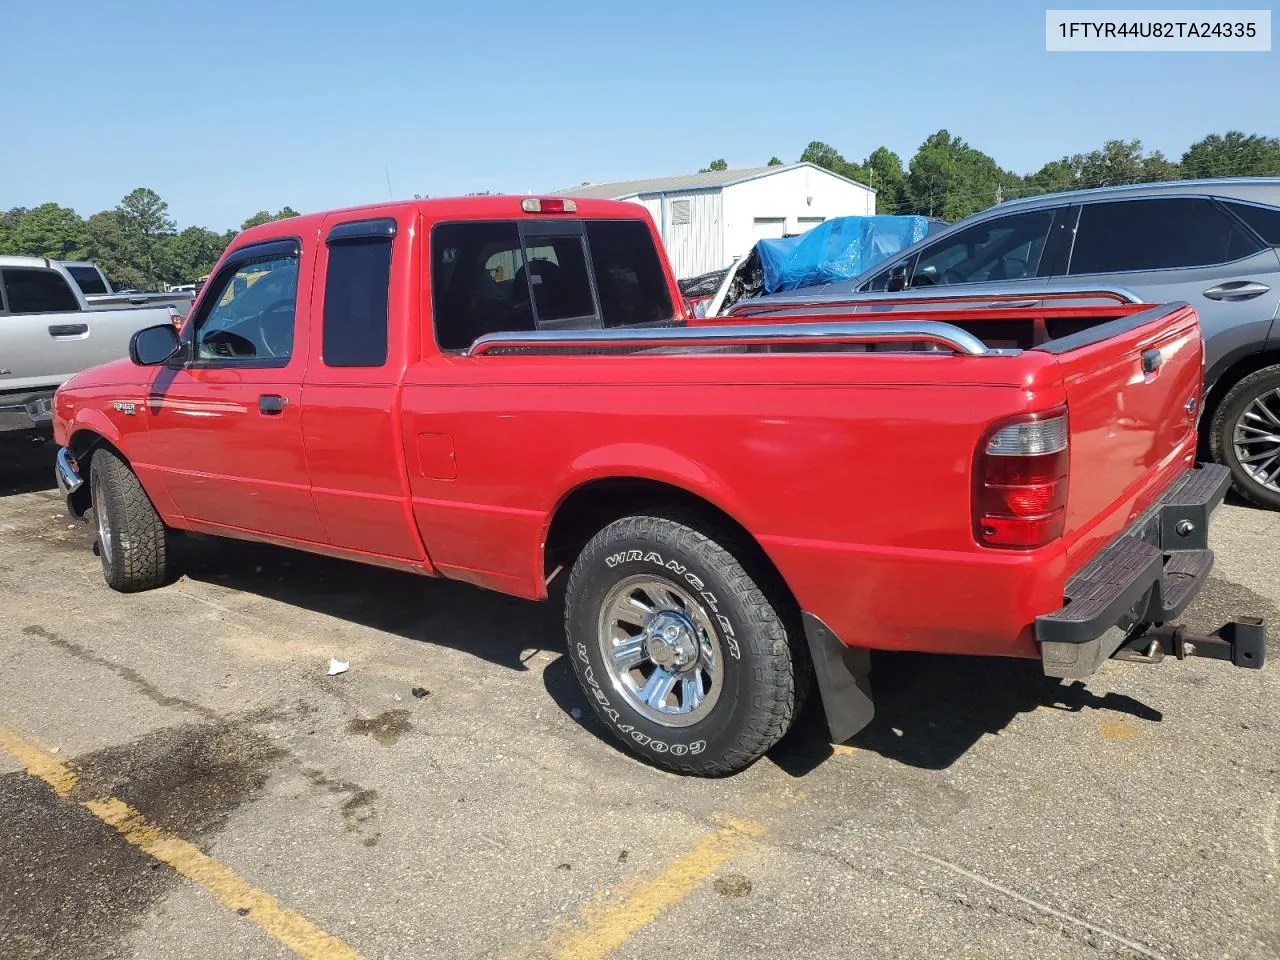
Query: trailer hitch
1242	642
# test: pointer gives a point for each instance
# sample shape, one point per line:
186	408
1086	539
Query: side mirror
152	346
897	279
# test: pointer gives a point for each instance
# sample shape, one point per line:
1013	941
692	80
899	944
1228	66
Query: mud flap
843	675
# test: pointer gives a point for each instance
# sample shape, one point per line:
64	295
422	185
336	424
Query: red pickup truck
507	391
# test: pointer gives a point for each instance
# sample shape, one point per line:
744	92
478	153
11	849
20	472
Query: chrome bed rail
631	340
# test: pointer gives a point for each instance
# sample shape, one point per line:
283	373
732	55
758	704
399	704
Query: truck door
227	427
363	315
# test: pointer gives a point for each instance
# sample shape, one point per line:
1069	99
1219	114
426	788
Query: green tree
774	162
714	165
49	230
948	178
146	218
193	252
9	221
884	168
115	245
266	216
1119	161
1157	167
1053	177
1232	155
826	156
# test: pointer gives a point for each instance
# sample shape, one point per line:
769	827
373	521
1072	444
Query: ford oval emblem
1190	406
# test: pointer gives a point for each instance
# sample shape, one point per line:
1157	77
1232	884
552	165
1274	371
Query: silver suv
1212	243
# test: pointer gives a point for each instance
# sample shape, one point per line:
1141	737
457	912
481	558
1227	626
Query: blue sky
230	108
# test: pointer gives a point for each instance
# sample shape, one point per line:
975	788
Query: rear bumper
1147	575
26	411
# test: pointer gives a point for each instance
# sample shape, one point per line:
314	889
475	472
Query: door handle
68	329
271	404
1152	361
1234	290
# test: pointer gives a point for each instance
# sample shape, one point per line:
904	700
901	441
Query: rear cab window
36	290
1159	234
499	276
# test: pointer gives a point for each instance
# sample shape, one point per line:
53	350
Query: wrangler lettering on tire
677	647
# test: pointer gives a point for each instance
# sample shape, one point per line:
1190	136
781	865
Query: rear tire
717	678
1240	430
131	539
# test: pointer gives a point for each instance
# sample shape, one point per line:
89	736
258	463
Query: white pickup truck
99	294
48	332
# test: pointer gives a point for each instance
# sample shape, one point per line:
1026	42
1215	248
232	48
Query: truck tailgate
1133	389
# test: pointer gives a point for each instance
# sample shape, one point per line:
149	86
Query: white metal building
708	219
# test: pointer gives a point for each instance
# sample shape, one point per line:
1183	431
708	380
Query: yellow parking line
605	929
291	929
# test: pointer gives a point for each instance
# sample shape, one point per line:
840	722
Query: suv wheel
1246	436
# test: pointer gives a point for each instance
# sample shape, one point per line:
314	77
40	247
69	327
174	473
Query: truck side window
32	290
475	266
1003	248
628	274
355	303
248	313
1156	235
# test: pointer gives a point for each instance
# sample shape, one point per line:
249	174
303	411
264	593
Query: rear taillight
1020	482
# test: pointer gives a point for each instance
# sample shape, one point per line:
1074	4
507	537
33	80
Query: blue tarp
839	249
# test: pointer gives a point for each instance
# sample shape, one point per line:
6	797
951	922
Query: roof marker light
548	205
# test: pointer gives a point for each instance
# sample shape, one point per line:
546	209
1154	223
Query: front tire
132	540
1245	435
680	652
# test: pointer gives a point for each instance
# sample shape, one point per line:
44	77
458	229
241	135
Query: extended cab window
1131	235
87	279
33	290
355	295
247	315
1003	248
629	278
474	268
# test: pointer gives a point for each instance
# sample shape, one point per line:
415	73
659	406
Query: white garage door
768	228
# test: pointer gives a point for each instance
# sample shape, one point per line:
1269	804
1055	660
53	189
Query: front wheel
678	649
132	540
1246	436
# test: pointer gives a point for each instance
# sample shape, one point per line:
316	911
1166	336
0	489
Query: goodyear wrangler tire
132	541
680	652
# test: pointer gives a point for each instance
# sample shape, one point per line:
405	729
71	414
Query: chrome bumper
69	479
26	412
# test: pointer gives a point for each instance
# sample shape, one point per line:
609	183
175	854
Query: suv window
1265	221
1130	235
34	290
355	303
250	314
629	277
1004	248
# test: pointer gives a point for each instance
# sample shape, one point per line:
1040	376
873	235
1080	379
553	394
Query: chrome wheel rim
106	542
1256	439
661	651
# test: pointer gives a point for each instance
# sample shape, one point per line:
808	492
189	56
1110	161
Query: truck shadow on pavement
26	467
930	709
491	626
